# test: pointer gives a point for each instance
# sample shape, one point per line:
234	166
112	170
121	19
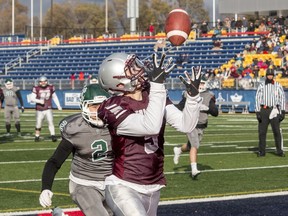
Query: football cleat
54	138
195	173
177	153
37	139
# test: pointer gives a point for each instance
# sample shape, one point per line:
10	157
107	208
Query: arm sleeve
54	163
1	96
34	99
213	109
55	99
18	94
258	98
282	97
150	122
186	120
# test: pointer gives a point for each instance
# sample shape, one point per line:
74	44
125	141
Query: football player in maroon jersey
42	95
136	117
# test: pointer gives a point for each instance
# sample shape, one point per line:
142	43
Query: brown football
177	26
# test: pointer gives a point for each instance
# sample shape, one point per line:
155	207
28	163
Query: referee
270	109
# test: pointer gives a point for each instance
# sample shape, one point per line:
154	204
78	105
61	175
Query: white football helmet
92	94
9	83
120	73
203	85
43	81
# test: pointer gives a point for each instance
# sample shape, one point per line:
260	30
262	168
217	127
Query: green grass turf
226	157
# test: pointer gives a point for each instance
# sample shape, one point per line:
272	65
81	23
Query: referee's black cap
270	71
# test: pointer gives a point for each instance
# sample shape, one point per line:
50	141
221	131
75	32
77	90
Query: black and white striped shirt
270	94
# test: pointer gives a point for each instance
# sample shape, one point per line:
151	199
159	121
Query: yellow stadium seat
277	61
283	81
262	72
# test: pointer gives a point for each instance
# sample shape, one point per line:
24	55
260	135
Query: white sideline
172	202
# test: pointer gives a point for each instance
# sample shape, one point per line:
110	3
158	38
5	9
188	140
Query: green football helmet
92	94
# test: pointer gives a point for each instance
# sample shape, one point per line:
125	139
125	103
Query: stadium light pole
31	19
13	17
214	13
41	20
106	16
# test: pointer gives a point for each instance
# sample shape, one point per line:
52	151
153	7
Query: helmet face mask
91	97
120	73
203	86
9	83
43	81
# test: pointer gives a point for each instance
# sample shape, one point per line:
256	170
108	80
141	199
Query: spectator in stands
204	28
42	95
255	71
151	29
251	27
270	109
238	25
217	44
261	64
219	24
194	139
160	44
72	80
245	24
284	71
262	27
11	95
81	78
276	48
227	24
233	72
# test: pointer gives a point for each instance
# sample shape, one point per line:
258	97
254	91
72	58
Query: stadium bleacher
58	62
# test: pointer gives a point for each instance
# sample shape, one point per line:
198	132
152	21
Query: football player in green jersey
85	136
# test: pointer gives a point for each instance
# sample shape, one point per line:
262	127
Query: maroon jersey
137	159
44	94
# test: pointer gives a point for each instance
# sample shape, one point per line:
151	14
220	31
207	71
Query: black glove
158	73
192	86
258	116
22	109
282	115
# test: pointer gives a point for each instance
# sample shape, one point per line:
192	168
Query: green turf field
226	157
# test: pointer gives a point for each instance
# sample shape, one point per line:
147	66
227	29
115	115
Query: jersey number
151	144
100	148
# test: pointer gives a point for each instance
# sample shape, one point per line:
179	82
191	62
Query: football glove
192	86
59	108
45	198
282	115
158	72
22	109
258	116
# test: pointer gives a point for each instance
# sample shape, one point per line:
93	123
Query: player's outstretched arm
51	167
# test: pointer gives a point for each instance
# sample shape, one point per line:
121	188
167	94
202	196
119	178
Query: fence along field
226	157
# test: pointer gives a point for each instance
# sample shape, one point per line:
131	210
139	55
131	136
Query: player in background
11	96
136	116
207	107
85	136
42	95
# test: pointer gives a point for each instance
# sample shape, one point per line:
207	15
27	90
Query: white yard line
166	173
